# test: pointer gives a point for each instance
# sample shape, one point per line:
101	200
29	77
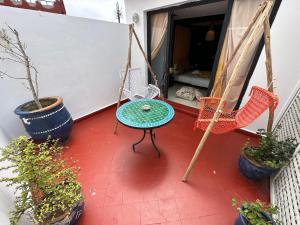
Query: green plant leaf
46	185
270	152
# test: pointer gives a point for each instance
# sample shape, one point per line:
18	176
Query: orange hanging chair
214	115
260	100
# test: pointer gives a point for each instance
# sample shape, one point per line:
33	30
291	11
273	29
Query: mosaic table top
132	114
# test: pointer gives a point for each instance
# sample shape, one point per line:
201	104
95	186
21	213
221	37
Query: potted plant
47	190
42	117
255	213
257	162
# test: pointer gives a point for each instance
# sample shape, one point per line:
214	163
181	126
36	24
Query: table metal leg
152	135
133	146
152	139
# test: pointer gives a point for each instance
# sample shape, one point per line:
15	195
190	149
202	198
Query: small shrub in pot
47	190
255	213
268	156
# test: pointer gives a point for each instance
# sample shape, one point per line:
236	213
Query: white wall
78	59
285	37
285	44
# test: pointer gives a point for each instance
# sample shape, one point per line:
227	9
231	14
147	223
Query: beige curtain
243	12
159	24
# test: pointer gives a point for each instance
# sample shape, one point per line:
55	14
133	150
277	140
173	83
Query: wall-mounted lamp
210	35
135	18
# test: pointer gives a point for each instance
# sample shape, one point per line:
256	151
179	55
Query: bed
199	78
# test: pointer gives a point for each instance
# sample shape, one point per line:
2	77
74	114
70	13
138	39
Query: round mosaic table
133	114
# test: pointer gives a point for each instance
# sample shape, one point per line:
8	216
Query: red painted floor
125	188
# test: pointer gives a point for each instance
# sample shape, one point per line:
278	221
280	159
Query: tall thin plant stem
14	51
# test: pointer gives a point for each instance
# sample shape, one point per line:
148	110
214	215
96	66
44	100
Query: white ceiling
201	10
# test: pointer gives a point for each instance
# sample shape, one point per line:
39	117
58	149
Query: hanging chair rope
221	103
154	77
128	65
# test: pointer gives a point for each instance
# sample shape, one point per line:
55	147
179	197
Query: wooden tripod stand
261	19
128	65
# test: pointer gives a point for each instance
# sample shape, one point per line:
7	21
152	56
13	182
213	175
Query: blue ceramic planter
52	120
241	220
74	216
253	171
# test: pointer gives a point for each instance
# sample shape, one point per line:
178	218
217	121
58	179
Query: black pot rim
19	111
63	216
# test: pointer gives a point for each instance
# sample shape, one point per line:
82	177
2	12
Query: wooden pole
267	38
128	64
254	34
154	77
245	35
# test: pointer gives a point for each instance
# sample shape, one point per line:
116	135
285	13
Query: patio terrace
126	188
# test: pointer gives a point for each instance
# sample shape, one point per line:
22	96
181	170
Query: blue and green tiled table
132	114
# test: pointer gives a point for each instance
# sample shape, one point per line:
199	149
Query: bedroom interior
194	49
183	44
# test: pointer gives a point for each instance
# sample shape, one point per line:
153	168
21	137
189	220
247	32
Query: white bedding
189	78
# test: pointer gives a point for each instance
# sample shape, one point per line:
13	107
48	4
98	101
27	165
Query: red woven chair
214	116
260	100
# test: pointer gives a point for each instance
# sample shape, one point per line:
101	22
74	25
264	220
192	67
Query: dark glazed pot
52	120
241	220
74	216
253	171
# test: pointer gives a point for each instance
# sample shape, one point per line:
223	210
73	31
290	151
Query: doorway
193	55
199	10
185	64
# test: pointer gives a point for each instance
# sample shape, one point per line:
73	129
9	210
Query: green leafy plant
253	212
46	188
270	152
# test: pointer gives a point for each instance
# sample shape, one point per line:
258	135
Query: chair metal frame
135	86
